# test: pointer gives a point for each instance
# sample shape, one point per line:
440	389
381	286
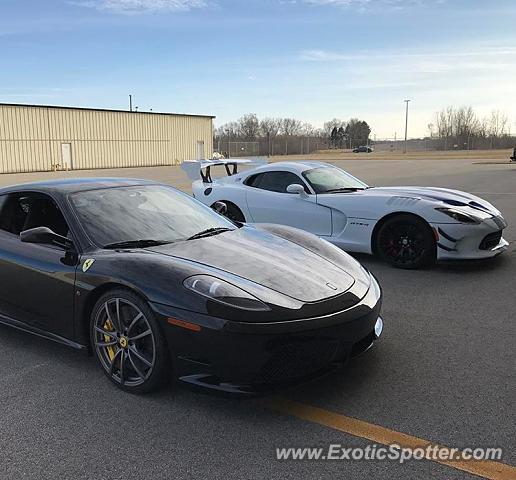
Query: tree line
283	136
451	128
462	128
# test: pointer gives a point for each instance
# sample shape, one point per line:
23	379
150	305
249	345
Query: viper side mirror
298	189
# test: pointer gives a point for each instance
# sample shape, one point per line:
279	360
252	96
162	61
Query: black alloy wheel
406	241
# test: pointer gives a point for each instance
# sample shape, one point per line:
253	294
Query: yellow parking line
377	434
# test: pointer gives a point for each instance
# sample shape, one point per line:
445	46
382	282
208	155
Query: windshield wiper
135	244
209	232
345	189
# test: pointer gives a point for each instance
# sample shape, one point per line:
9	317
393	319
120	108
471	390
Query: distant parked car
513	158
362	149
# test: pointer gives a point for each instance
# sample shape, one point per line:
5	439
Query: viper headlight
224	292
459	216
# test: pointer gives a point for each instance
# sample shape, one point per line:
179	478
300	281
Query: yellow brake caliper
111	349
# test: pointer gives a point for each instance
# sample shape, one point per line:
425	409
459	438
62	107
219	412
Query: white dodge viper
410	227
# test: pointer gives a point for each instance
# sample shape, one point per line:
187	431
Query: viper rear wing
201	169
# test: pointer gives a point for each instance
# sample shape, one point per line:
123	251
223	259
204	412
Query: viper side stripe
444	247
445	235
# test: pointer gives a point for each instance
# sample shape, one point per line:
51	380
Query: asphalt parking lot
444	372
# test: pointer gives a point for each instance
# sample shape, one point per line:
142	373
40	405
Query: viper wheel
406	241
128	343
234	213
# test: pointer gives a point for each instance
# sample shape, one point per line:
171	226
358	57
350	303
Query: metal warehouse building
44	138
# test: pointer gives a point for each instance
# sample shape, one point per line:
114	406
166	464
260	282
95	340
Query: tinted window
279	181
332	179
156	213
254	180
3	198
23	211
3	214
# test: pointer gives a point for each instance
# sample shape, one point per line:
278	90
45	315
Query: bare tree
229	129
269	128
444	121
249	127
497	123
225	134
308	132
307	129
464	126
461	128
289	128
496	127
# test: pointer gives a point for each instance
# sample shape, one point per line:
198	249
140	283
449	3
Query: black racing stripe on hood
454	203
457	203
477	206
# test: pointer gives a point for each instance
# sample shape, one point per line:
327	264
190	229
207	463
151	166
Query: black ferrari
154	283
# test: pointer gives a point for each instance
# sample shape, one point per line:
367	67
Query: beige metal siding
31	138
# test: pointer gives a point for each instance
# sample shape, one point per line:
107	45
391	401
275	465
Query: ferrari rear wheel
406	241
128	343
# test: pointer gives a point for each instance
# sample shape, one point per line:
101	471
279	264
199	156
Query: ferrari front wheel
406	241
128	343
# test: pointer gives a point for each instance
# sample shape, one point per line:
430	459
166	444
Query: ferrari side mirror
45	236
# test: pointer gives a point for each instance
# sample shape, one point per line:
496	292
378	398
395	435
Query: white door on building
66	156
200	150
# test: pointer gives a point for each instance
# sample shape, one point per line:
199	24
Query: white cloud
142	6
426	68
370	4
478	57
328	56
373	83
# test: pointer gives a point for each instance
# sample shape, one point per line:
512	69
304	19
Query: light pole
406	125
228	133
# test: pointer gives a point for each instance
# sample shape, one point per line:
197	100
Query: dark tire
406	241
128	343
234	213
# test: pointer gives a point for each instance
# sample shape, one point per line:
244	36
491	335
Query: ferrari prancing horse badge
87	264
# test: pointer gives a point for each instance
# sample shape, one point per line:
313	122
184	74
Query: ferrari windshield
332	179
144	216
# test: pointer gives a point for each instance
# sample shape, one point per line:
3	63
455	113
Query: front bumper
469	242
247	358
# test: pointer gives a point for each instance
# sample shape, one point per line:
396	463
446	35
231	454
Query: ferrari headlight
224	292
459	216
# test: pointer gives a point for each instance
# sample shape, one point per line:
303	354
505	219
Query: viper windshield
332	180
159	214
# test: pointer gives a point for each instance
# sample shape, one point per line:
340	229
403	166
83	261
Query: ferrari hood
267	260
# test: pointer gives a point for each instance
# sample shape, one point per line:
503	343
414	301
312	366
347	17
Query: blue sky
309	59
